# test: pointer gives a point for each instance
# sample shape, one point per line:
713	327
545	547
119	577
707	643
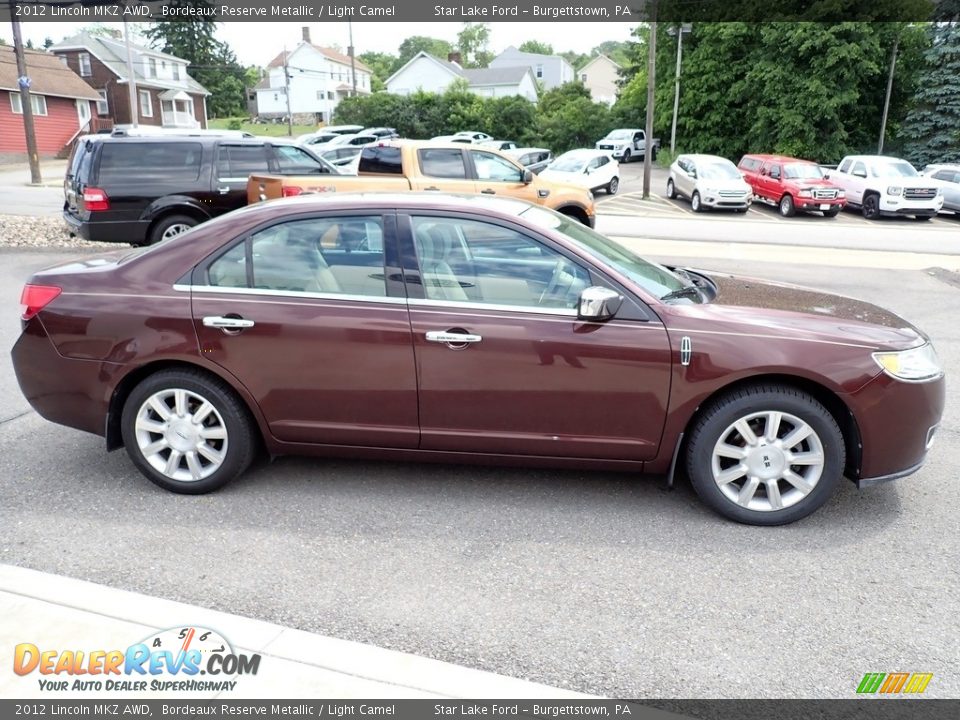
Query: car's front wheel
871	206
765	455
613	186
787	208
695	204
187	431
671	189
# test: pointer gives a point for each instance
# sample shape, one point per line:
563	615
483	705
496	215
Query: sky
258	43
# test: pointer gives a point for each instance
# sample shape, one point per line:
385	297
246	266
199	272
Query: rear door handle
227	323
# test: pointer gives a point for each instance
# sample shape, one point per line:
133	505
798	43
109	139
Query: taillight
95	199
292	191
35	298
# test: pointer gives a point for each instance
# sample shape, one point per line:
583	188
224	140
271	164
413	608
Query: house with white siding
431	74
549	70
600	76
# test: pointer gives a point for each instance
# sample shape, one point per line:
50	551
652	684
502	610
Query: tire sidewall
871	207
156	232
614	186
700	452
786	206
696	204
238	432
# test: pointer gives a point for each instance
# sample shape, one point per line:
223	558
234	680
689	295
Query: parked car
151	130
405	165
473	135
341	129
791	185
341	157
321	137
141	190
624	144
463	139
709	182
346	140
591	169
949	177
502	145
504	333
380	132
880	185
534	159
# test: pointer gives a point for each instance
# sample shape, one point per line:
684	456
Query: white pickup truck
881	185
628	143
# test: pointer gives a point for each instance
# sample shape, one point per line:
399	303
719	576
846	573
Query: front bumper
810	205
713	200
898	205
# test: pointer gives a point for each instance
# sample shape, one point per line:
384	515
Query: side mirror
692	173
587	171
826	176
527	177
598	303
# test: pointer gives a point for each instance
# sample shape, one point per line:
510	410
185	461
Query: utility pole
651	83
681	29
886	101
132	80
353	60
24	83
286	80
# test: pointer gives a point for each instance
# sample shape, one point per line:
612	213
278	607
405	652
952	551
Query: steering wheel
554	284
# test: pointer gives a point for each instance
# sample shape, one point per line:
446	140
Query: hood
781	308
738	184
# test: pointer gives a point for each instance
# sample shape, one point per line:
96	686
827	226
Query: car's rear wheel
871	206
765	455
832	212
613	186
187	431
695	203
671	189
787	208
170	226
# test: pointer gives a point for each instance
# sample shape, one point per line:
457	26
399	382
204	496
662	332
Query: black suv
141	190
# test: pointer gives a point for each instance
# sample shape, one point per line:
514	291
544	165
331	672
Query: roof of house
528	56
599	57
47	74
328	53
113	54
496	76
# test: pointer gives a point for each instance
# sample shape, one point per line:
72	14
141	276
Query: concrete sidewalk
59	613
51	174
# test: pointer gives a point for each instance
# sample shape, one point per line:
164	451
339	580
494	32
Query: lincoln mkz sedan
484	330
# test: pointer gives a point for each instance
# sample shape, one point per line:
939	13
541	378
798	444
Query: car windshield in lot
719	171
569	163
654	278
619	135
894	168
802	171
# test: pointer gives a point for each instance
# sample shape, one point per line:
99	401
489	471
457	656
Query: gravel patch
38	232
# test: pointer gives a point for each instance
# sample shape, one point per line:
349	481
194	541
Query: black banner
477	11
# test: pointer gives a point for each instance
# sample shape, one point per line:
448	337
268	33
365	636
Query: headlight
915	365
894	190
805	193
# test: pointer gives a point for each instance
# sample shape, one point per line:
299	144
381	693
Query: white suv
709	181
882	185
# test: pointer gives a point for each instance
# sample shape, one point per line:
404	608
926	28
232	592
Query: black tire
653	155
716	424
671	189
924	217
871	206
241	437
163	225
613	186
695	203
626	156
786	206
832	212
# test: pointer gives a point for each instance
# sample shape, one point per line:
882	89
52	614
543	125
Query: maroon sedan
423	327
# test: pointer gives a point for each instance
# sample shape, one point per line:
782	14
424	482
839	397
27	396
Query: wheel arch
162	210
128	382
834	404
574	211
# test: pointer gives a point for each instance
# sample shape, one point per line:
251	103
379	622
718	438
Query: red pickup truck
792	185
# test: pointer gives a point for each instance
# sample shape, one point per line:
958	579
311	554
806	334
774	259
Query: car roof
522	150
703	157
504	206
776	158
583	152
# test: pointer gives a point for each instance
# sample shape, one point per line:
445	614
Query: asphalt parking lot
598	582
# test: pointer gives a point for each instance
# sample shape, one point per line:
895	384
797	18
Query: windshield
655	279
719	171
568	163
896	168
803	171
620	135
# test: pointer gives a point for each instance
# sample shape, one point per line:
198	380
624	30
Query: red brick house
166	95
62	103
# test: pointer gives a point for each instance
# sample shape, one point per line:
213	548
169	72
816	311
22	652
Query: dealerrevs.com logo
172	660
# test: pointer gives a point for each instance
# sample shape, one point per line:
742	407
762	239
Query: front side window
474	261
859	169
494	167
442	163
338	255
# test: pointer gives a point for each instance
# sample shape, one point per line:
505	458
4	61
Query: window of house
330	95
146	104
151	67
176	71
85	65
539	71
63	60
38	103
583	77
103	107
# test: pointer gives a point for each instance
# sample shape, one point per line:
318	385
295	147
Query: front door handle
432	188
223	190
227	323
453	339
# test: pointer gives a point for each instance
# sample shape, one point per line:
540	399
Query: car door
856	182
950	184
504	365
774	182
685	179
443	170
301	314
498	176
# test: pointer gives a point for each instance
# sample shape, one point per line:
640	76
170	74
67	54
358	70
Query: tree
931	130
536	46
420	43
614	49
472	44
383	66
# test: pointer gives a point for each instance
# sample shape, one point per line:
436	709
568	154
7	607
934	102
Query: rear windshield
124	159
383	160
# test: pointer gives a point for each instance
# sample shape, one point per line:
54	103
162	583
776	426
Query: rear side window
442	163
240	161
180	160
382	160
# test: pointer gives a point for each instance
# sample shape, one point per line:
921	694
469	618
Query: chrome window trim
466	305
260	292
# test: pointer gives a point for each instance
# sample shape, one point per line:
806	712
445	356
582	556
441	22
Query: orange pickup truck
427	166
